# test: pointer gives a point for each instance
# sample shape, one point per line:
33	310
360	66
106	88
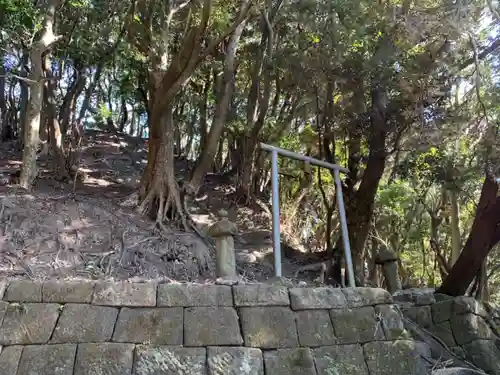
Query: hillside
89	229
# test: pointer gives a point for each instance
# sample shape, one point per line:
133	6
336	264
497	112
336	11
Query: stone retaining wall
465	325
66	328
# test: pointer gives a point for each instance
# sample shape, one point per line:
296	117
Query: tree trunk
159	194
257	105
204	109
225	93
359	209
88	93
484	235
132	122
123	115
31	139
23	106
69	103
455	226
52	125
4	125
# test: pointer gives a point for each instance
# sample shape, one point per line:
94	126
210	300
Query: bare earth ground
89	229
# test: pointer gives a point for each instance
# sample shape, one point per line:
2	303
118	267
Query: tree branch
480	56
27	80
239	19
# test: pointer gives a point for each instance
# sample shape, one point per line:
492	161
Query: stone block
268	327
455	371
23	291
419	296
360	297
458	352
340	359
47	359
419	314
85	323
443	331
189	295
392	322
260	295
467	328
67	291
317	298
395	357
424	299
442	297
108	358
485	355
3	287
466	305
169	360
9	359
3	310
28	323
297	361
125	294
352	326
233	360
315	328
211	326
442	310
158	326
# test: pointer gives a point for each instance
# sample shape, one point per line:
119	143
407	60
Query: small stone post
223	231
388	260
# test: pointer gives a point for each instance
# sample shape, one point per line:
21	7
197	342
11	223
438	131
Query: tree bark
484	235
31	138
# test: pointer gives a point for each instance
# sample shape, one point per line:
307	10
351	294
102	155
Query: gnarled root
161	200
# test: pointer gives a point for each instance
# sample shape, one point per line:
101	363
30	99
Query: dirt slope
88	229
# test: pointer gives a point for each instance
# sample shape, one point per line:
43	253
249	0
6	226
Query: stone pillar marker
388	260
223	232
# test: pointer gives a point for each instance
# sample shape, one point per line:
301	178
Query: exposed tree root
163	203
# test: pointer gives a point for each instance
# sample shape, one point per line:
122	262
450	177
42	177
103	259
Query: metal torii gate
276	208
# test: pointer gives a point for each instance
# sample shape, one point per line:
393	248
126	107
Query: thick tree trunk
31	136
206	159
484	235
159	193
